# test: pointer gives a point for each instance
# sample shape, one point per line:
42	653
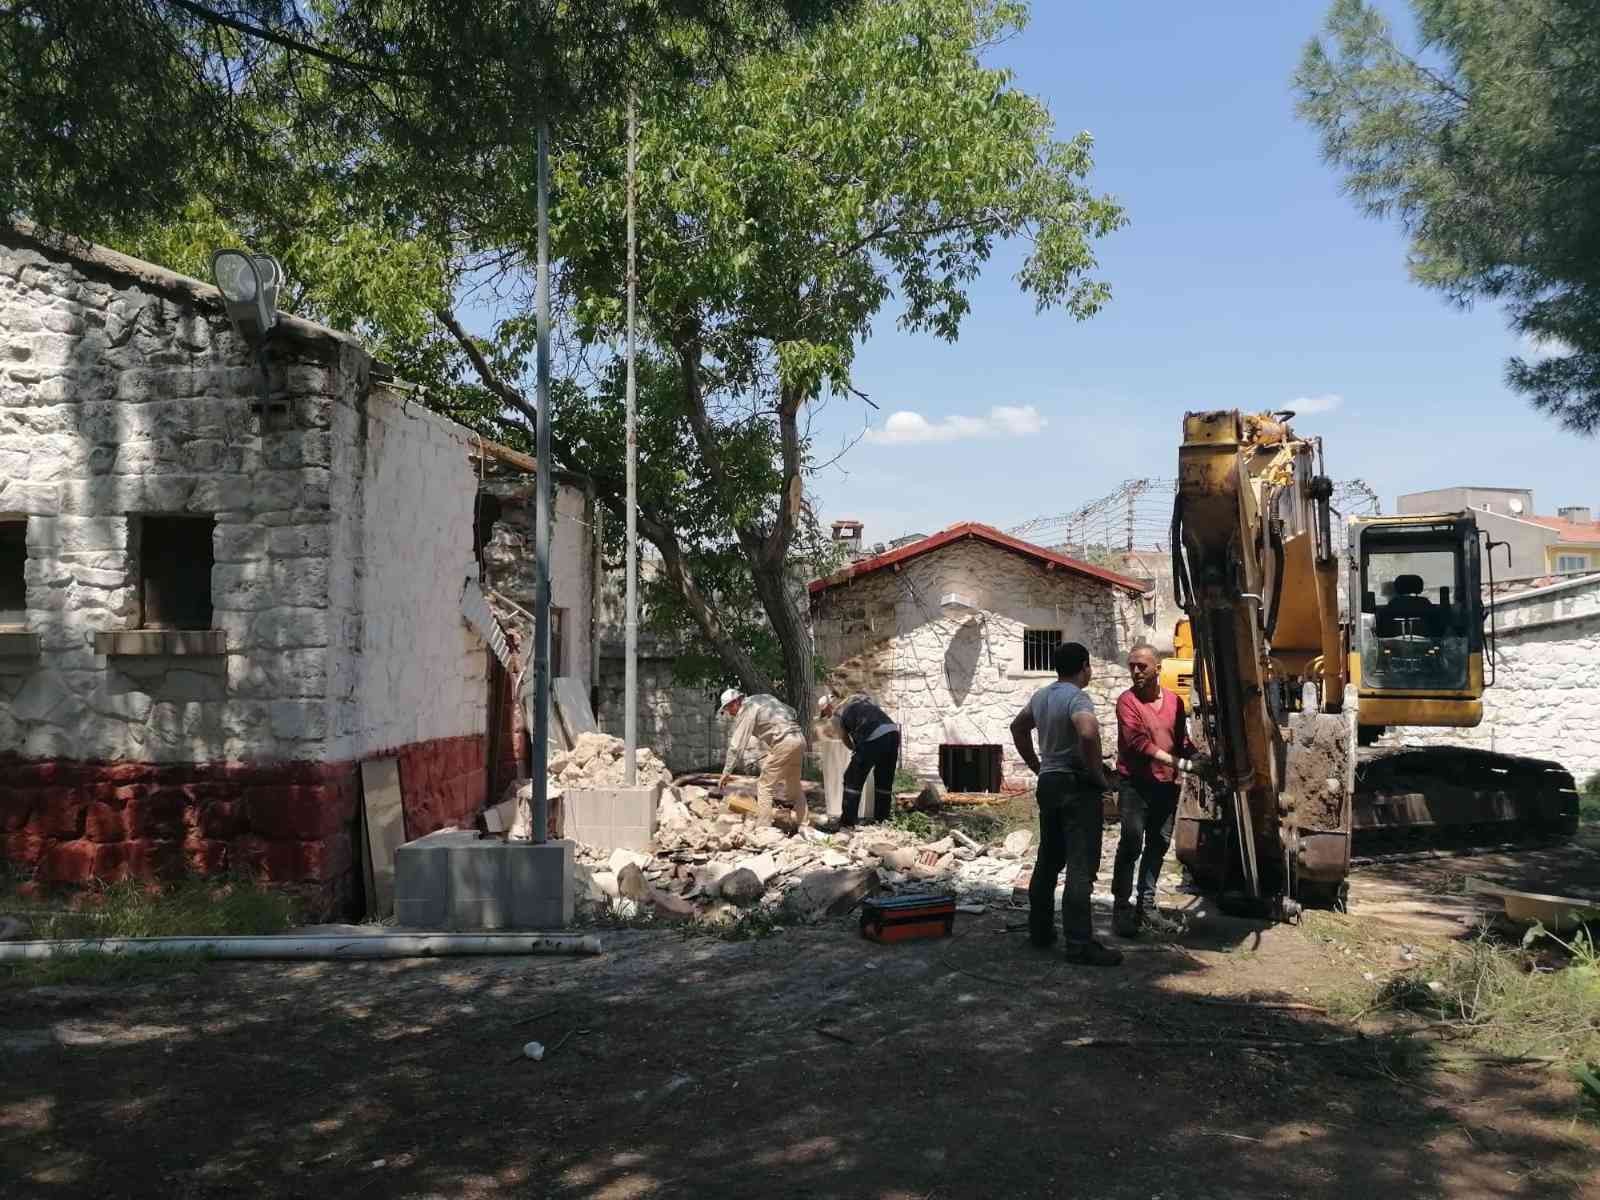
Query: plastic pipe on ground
324	946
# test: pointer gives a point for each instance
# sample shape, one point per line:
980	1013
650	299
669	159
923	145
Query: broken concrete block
742	886
763	866
832	858
605	882
943	846
882	849
631	883
1017	842
829	893
622	858
767	836
900	859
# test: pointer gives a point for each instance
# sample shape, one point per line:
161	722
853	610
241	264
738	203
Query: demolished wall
342	536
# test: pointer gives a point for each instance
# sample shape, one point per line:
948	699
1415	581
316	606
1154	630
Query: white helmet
728	697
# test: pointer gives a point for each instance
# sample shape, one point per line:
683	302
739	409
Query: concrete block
611	818
456	880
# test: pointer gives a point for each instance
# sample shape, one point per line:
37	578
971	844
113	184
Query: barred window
1039	649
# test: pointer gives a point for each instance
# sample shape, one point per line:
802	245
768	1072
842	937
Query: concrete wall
1545	702
1455	499
958	677
423	669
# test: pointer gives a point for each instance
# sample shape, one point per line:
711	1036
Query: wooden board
382	831
570	698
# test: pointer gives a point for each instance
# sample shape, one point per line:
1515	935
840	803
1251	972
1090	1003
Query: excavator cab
1416	638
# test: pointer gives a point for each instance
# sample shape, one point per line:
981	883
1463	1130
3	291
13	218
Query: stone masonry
340	544
956	676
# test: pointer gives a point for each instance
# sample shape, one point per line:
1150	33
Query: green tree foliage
115	111
780	210
1482	141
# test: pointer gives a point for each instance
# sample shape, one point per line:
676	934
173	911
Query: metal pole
630	686
541	541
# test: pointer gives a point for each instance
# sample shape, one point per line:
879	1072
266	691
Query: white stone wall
1545	702
343	528
121	393
422	670
958	677
679	723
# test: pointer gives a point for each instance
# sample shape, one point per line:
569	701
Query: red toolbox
901	918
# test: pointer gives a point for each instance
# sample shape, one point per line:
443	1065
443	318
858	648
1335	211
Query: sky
1244	279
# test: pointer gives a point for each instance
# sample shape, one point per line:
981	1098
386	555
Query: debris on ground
710	860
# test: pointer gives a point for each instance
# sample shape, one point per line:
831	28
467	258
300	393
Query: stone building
213	609
954	632
1544	700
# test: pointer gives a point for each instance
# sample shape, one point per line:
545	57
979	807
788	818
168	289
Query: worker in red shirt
1152	747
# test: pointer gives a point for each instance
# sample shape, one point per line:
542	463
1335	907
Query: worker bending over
1072	780
774	726
874	742
1152	747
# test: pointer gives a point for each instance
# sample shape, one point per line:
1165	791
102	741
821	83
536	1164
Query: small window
1571	562
1039	649
558	642
175	572
13	572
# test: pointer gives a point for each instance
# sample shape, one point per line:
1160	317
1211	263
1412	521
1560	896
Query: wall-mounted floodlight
249	284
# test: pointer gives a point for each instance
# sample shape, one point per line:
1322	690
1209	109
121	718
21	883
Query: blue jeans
1070	817
1147	809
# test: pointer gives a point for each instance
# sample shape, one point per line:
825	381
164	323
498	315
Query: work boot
1093	954
1125	921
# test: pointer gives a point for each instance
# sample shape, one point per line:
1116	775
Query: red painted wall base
291	824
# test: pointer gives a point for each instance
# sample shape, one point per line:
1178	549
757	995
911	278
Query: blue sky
1243	280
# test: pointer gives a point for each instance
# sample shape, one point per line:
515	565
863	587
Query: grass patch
1538	1000
190	908
907	781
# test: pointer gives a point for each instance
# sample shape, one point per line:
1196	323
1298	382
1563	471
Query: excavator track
1412	801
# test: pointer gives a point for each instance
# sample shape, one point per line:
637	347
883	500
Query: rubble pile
596	761
710	862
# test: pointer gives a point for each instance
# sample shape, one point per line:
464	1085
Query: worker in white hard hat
774	726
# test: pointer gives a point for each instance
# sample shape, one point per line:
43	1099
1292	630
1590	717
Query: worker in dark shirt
874	742
1153	746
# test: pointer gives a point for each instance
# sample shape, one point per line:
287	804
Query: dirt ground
808	1063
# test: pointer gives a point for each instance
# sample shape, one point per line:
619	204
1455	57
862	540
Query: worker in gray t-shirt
1071	781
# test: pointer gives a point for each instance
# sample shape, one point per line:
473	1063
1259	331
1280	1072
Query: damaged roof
1049	559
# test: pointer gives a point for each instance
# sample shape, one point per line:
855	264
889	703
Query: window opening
1039	649
175	557
13	572
558	642
1572	562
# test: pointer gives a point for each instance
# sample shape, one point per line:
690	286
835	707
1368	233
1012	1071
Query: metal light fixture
249	284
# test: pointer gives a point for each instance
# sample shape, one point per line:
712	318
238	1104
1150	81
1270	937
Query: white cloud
1305	405
1544	347
1004	420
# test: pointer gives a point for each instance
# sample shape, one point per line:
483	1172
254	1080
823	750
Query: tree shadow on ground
810	1063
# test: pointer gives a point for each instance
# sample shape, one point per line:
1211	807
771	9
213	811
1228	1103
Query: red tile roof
1571	531
982	533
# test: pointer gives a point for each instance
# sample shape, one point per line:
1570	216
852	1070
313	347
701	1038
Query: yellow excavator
1291	696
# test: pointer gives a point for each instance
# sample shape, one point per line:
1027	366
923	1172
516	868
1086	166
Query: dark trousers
1070	815
881	756
1148	809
